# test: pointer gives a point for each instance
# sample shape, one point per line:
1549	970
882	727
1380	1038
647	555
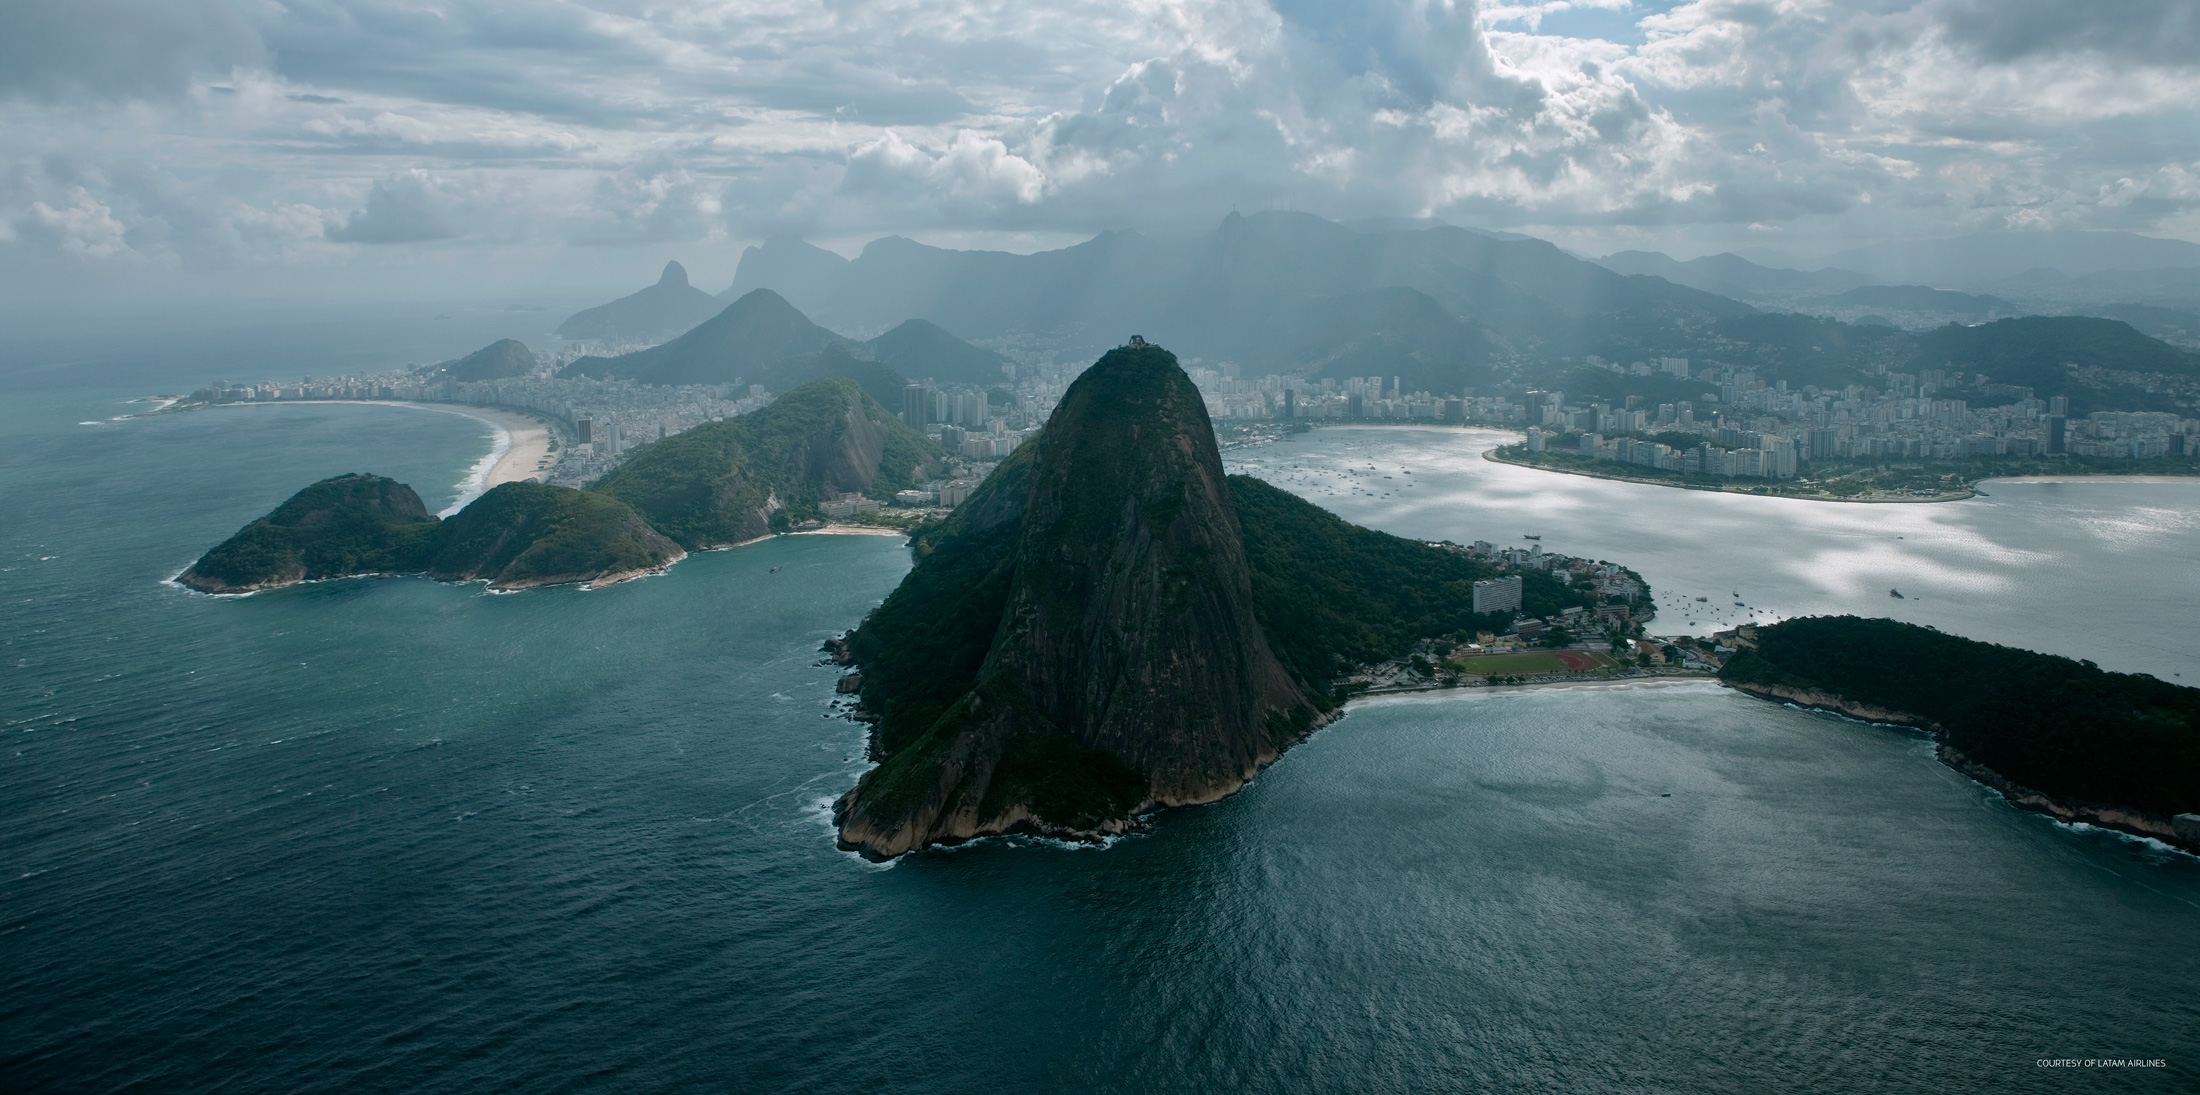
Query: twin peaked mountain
717	484
1110	625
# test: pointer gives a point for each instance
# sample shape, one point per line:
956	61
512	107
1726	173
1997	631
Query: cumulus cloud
556	123
406	208
81	226
970	168
2152	32
652	206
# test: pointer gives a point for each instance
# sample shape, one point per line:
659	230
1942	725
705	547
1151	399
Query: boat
1531	536
1897	595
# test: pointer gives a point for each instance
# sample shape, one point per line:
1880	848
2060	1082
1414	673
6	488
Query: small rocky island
717	484
2056	736
1111	625
515	536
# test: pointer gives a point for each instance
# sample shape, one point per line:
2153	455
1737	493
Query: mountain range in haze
1441	309
658	312
762	339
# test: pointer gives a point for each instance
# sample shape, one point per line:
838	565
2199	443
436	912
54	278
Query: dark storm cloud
59	50
294	130
2155	32
547	63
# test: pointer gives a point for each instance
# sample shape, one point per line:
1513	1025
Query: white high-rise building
1498	594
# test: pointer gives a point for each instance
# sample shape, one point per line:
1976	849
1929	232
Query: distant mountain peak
661	310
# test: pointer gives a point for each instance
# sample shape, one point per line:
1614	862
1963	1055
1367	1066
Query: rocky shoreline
214	588
963	825
2174	831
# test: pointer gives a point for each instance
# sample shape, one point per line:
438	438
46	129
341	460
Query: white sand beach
850	530
526	453
520	448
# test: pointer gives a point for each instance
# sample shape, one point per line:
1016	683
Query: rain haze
354	149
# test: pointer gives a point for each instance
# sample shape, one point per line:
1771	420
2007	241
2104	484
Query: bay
2102	569
394	835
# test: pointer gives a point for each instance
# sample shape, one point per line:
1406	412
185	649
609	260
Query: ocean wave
477	477
2149	843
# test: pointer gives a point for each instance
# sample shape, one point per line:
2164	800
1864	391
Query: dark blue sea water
388	835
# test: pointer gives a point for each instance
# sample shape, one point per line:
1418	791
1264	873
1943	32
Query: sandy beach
519	450
850	530
526	453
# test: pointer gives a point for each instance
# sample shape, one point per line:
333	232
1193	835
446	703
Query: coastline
520	448
2127	820
1668	679
1020	822
2103	478
1953	496
847	530
1971	491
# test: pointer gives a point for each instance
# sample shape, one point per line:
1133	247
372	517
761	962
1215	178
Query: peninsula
1110	625
2053	735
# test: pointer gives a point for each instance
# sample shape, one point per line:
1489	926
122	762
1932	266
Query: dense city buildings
1736	427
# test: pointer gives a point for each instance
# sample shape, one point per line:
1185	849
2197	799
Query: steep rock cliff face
726	482
1091	612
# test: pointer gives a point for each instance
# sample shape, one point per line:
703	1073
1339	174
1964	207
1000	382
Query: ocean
390	835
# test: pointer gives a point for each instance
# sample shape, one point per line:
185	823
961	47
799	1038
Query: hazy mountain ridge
1223	294
506	357
748	336
1982	256
1729	274
660	311
1445	309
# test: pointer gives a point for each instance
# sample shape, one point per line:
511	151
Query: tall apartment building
916	406
1498	594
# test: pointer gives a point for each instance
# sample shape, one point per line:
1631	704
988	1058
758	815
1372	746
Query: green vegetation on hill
2037	352
919	349
1333	596
523	534
660	311
1919	298
2053	355
1107	653
877	380
725	482
503	358
1329	595
349	524
519	534
750	336
1392	332
2067	729
1109	612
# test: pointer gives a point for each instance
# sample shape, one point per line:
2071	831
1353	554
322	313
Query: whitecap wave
477	477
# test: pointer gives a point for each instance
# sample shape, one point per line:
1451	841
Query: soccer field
1533	662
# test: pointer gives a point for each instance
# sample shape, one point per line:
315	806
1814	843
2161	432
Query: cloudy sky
568	144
